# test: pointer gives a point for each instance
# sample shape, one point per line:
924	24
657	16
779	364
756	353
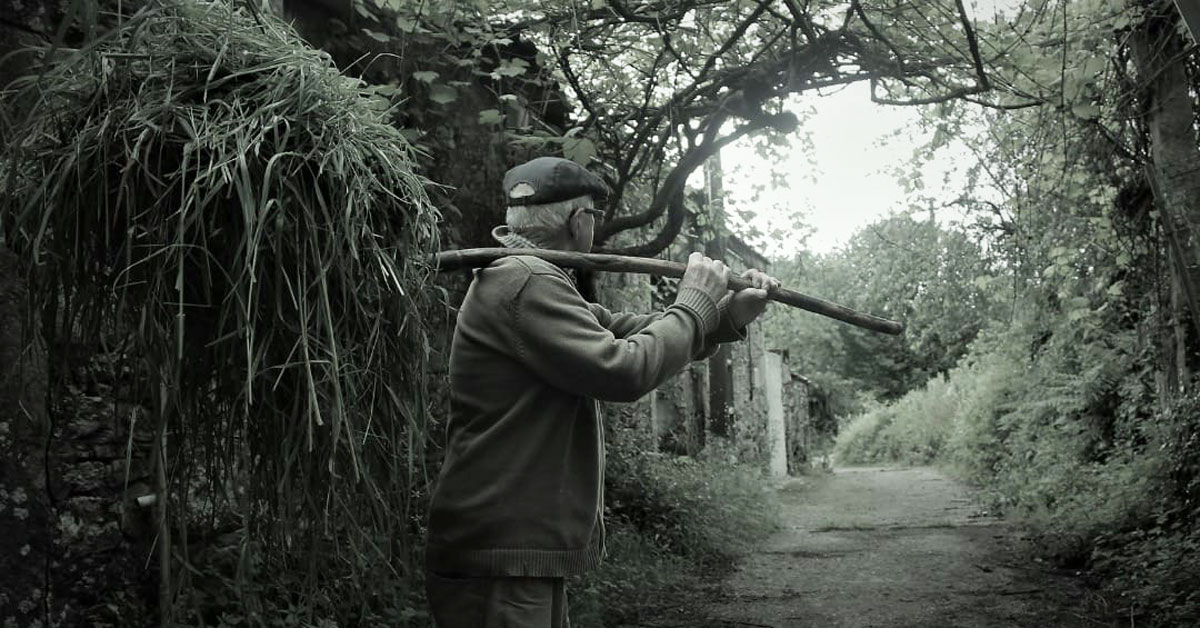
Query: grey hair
544	224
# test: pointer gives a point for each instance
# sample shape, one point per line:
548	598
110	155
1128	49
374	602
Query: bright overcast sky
847	179
843	183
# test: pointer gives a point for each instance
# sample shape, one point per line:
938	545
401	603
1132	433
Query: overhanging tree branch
973	46
741	64
670	194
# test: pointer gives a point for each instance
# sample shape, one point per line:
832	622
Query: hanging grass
203	185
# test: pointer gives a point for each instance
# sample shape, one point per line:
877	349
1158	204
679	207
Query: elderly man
519	502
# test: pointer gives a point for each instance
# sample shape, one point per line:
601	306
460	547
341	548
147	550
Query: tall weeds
203	186
1067	441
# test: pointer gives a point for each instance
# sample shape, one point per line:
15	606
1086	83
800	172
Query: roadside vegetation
1071	399
250	217
1076	451
671	520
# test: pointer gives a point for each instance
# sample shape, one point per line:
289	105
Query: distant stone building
768	406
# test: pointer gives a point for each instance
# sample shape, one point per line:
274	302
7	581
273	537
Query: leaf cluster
937	280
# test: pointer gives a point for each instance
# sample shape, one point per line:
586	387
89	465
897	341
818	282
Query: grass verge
671	520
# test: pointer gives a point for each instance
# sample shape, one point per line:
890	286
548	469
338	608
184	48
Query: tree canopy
936	279
657	88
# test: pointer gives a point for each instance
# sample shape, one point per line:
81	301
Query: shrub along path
890	548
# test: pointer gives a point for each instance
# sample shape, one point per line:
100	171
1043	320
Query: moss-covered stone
25	508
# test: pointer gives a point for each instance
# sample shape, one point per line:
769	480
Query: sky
841	182
844	179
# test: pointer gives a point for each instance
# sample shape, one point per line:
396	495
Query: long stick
475	258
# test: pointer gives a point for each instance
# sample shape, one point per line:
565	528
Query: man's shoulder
510	281
509	276
526	265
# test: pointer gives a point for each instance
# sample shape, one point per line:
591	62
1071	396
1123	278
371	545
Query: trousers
496	602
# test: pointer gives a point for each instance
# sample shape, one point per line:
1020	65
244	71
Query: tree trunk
720	391
1175	177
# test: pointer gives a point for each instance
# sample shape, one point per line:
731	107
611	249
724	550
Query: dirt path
891	548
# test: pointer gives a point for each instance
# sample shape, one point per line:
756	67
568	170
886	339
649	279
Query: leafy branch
725	71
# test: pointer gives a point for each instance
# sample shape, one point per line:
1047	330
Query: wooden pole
476	258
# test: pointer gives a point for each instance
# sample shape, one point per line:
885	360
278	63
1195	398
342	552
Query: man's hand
706	275
747	305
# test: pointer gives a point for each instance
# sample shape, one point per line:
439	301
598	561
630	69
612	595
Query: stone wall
747	361
74	539
676	415
73	545
23	23
749	408
680	411
25	511
99	457
628	292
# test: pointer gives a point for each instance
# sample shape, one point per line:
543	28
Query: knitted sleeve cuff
725	331
701	306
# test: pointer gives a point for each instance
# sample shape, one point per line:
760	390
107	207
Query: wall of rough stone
674	414
23	23
628	292
74	539
748	431
680	411
25	510
99	464
749	425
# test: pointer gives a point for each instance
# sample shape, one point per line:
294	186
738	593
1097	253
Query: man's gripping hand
747	305
706	275
703	286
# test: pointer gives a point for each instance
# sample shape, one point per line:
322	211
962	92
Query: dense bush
704	508
636	574
1154	560
1067	442
669	517
912	430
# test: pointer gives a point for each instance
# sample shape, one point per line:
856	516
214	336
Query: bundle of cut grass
202	183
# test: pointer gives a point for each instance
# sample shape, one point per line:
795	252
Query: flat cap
550	179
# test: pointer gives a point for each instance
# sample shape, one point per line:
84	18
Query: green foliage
242	585
636	574
1056	410
203	186
669	516
1071	410
913	430
1154	559
704	508
925	275
658	88
1064	443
